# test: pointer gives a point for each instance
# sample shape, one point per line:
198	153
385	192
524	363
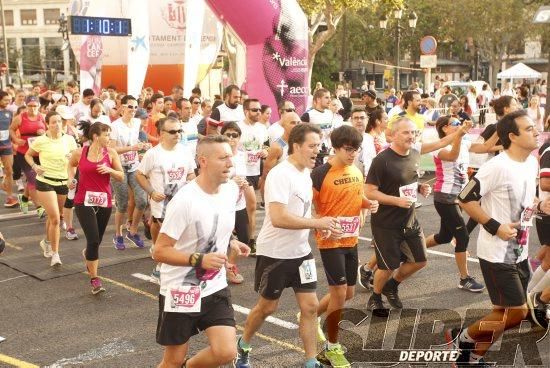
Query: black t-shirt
347	105
462	116
391	173
370	110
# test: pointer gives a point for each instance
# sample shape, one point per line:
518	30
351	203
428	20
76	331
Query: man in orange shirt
157	101
338	192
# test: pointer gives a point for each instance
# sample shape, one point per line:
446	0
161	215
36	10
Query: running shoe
365	277
242	360
135	239
118	241
377	307
97	287
393	296
71	234
23	205
335	357
539	311
41	212
55	260
11	202
46	248
320	333
470	284
233	275
20	186
252	245
155	276
452	336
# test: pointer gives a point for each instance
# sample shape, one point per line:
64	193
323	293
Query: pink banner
275	33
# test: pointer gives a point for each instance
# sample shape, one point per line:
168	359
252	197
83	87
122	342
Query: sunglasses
455	123
255	110
232	135
174	131
289	110
132	107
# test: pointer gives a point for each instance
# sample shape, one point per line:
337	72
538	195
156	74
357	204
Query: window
53	56
31	55
8	14
28	17
51	16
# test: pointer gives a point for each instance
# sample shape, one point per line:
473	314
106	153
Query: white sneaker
20	185
46	248
55	260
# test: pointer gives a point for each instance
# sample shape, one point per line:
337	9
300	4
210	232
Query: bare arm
545	184
273	155
372	192
485	146
452	154
281	218
166	253
122	149
116	172
15	123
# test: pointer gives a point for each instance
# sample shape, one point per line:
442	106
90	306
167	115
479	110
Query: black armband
470	193
491	226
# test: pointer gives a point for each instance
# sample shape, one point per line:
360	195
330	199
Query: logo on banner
288	62
291	89
94	47
174	14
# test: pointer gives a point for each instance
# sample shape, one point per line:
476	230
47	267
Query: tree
329	13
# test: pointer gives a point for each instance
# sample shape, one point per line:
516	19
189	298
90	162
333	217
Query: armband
491	226
470	192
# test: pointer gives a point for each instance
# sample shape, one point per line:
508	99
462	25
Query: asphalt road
59	323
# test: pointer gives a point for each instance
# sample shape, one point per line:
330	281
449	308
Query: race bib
95	199
175	174
308	272
350	226
409	191
4	135
527	216
185	299
389	105
252	157
128	157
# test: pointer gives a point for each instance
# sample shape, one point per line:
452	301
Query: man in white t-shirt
506	185
125	140
275	130
230	110
192	246
284	257
82	107
321	116
189	126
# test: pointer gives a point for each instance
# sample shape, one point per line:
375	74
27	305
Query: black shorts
253	181
340	265
61	189
543	229
157	220
393	246
273	275
177	328
6	148
506	283
241	226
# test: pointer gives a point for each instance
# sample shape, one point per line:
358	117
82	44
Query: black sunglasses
174	131
232	135
255	110
289	110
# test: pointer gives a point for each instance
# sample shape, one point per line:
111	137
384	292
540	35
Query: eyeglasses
174	131
232	135
289	110
359	118
132	107
255	110
455	123
351	149
196	102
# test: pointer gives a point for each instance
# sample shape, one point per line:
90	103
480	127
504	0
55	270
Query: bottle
72	192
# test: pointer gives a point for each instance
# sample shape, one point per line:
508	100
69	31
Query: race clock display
100	26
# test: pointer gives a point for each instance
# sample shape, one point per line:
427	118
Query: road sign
428	45
428	61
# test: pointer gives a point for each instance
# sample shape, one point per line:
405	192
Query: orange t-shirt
151	127
338	192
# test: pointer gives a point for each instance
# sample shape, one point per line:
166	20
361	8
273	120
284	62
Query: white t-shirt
228	114
507	187
200	222
101	119
190	137
125	136
239	169
324	120
253	137
395	111
293	188
452	176
275	131
167	172
80	110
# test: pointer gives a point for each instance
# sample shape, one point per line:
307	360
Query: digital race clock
100	26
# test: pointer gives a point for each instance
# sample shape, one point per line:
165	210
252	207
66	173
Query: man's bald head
289	120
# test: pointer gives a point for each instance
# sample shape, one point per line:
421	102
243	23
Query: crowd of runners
190	173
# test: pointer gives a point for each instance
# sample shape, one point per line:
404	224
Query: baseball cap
65	112
141	114
371	94
31	99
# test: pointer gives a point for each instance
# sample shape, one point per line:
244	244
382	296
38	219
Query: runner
451	164
338	192
284	255
53	149
192	246
506	186
6	151
322	117
125	140
96	164
164	170
30	125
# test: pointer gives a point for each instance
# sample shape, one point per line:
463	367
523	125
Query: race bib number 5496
185	299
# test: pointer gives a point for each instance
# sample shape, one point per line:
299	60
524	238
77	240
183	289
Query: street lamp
397	15
65	46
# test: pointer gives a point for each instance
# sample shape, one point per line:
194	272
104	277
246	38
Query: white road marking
475	260
2	338
107	350
17	215
276	321
13	278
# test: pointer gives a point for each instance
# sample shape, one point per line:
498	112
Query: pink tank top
93	188
28	129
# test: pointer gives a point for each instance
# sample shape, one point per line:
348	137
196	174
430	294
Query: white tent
519	71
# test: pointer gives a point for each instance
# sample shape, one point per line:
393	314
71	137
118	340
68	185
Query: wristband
195	259
491	226
538	206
